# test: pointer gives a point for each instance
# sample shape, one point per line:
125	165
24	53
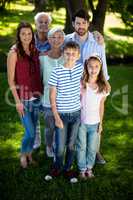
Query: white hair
57	29
39	14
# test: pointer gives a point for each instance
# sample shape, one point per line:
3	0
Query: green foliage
125	8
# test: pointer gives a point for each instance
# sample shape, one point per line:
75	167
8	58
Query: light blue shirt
88	48
47	65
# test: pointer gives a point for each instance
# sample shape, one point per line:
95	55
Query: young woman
25	83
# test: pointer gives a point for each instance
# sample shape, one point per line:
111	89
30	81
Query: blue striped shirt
67	83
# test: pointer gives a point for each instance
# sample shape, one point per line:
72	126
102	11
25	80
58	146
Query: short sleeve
53	80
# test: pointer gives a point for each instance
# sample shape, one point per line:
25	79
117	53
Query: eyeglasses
43	22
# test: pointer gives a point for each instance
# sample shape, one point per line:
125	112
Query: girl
93	94
25	83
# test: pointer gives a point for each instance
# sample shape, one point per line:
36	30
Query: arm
103	57
11	64
58	121
101	113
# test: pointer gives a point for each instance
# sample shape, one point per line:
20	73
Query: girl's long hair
19	46
101	82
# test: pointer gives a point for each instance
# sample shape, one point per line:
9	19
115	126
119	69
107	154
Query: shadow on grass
122	31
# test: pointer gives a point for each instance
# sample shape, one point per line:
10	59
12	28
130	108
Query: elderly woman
48	62
25	83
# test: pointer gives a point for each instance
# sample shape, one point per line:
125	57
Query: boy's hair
39	14
82	14
71	45
101	82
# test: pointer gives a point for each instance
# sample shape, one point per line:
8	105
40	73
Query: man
42	23
88	46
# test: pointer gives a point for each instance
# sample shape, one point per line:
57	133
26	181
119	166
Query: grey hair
39	14
53	30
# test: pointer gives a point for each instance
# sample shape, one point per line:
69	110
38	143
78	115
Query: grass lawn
114	181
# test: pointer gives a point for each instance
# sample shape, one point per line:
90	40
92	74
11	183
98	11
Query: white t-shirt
90	105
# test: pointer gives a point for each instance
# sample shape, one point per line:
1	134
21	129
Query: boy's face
71	55
80	26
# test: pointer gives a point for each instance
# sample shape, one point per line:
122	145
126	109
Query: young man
65	103
88	46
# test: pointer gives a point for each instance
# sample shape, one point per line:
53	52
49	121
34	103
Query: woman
48	62
25	83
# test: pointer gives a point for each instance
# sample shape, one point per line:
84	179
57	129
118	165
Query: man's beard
81	32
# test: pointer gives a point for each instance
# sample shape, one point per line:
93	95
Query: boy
65	103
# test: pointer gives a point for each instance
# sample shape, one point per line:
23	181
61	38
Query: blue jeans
49	126
87	145
29	121
66	137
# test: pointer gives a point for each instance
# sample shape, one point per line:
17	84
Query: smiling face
42	24
80	26
25	36
56	40
93	68
71	55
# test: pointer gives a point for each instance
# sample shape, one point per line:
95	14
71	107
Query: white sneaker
36	146
49	151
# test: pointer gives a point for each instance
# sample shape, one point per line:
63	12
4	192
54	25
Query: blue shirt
41	46
67	83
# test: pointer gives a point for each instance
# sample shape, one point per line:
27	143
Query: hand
20	109
108	87
58	122
98	37
100	128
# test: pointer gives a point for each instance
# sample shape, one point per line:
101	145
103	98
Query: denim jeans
49	126
87	145
29	121
66	137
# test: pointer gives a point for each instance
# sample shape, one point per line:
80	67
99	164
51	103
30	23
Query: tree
71	7
3	4
98	13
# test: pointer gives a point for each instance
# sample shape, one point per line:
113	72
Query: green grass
114	181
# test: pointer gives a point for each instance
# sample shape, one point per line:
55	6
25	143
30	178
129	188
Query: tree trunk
71	7
39	5
99	13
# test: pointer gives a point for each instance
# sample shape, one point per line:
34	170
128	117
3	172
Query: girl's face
93	68
25	36
56	40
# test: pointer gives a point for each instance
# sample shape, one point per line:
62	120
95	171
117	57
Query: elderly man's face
42	25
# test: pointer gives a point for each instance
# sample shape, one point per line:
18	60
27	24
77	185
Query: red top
27	76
